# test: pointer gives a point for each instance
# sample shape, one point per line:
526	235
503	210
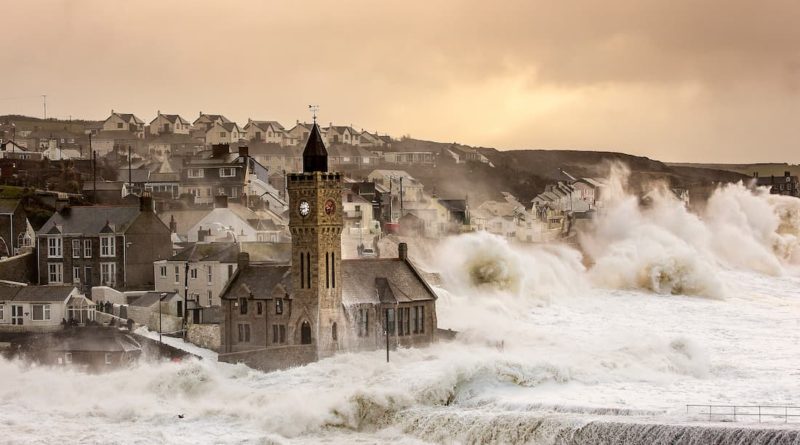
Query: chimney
146	202
201	235
218	150
787	174
243	260
244	151
220	202
402	251
173	226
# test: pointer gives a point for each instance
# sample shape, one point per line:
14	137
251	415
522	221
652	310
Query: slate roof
8	205
184	219
136	174
128	117
263	281
98	343
395	280
172	118
222	252
8	292
90	220
264	124
43	293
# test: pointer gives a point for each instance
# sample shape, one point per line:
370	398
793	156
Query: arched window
334	334
305	333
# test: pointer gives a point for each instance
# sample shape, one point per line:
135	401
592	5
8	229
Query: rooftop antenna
313	109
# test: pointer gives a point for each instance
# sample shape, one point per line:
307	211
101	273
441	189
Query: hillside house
124	122
169	124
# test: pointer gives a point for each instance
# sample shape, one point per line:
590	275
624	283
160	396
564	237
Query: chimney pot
402	251
244	151
243	260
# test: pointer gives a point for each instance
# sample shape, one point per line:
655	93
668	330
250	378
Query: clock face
330	207
304	208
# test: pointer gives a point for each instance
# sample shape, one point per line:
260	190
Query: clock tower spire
315	223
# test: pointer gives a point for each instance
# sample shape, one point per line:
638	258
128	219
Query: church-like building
280	315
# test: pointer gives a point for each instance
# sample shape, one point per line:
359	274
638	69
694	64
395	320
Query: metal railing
727	413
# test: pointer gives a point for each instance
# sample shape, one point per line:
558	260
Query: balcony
352	214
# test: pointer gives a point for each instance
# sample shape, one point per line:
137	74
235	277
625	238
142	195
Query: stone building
113	246
275	316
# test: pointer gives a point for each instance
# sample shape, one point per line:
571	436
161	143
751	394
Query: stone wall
273	359
168	323
204	335
20	268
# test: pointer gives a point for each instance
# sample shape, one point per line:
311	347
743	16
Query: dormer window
227	172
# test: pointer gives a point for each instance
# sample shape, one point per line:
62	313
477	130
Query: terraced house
103	245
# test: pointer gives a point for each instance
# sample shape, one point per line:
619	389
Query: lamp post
160	301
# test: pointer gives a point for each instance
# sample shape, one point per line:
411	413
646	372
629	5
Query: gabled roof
91	220
172	118
222	252
264	124
43	293
128	117
376	280
212	117
262	281
136	175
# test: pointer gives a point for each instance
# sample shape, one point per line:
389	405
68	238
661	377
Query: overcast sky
674	80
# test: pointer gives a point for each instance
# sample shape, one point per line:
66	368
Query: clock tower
315	222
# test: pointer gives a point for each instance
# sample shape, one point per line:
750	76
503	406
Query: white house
264	131
124	122
59	154
223	133
338	134
169	124
42	308
205	121
210	265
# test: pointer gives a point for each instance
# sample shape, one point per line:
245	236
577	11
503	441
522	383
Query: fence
727	413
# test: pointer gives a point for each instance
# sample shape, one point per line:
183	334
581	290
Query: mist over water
556	344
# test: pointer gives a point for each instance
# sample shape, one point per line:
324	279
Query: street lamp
160	301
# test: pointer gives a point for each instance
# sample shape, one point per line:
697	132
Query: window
222	134
40	312
421	319
193	273
243	306
177	274
76	274
363	322
76	248
163	271
2	312
108	358
209	298
54	247
68	358
195	172
334	332
416	319
87	248
108	246
55	273
278	306
119	125
400	320
405	325
389	322
210	276
108	273
244	333
259	308
227	172
278	333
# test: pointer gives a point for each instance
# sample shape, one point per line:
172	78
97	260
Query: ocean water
607	344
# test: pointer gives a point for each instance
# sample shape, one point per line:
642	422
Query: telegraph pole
185	298
44	105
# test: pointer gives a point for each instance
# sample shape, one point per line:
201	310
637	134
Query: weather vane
314	109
